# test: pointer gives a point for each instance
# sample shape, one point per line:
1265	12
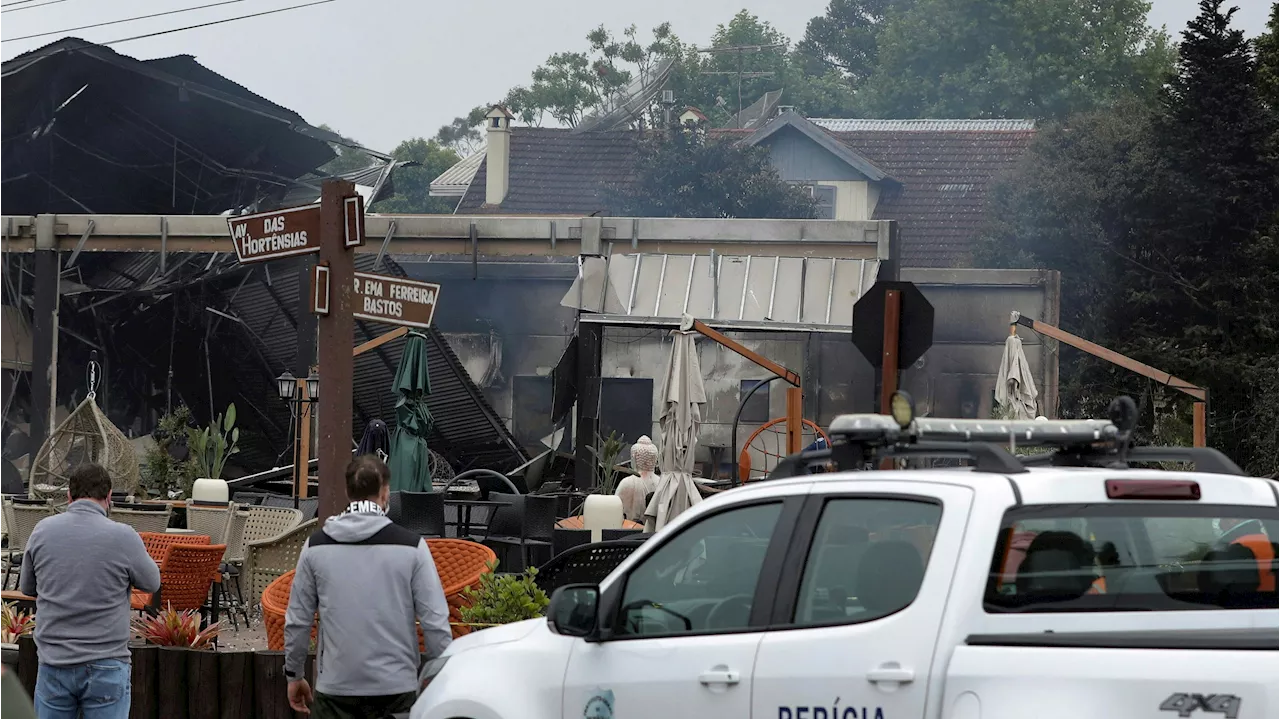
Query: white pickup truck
994	591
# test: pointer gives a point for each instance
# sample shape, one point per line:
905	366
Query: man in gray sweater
79	565
369	579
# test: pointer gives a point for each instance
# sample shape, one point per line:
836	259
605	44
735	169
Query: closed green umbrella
410	462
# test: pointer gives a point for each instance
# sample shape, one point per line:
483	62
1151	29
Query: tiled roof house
932	176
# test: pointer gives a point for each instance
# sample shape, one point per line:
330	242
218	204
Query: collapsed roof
88	130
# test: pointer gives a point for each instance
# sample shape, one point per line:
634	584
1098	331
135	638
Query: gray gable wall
800	159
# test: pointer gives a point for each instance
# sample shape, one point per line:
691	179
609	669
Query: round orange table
576	523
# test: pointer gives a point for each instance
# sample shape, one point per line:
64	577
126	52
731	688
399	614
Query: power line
28	7
117	22
214	22
16	2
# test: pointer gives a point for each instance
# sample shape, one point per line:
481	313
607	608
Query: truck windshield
1134	557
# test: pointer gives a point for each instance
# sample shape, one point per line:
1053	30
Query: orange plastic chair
186	574
458	562
158	543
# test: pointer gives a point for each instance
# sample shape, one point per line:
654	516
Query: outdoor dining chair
419	512
157	544
152	518
186	575
267	559
585	564
307	505
565	539
245	497
211	520
20	520
460	565
527	521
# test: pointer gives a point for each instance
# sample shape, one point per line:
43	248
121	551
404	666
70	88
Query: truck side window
703	579
867	559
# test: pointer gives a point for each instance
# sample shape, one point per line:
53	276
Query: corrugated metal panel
454	181
860	125
802	290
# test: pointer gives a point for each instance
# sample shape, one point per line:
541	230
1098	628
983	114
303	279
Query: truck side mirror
573	610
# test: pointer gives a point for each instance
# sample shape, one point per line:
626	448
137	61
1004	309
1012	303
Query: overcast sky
382	71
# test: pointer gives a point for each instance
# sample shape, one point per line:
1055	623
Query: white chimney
498	155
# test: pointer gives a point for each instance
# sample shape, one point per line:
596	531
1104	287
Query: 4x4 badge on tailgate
1188	704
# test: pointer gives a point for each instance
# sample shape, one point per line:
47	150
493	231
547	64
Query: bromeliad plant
503	599
212	446
15	623
173	628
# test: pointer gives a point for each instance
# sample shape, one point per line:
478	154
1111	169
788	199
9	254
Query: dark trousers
328	706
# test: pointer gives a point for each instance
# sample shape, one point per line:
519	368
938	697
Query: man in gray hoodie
79	565
369	579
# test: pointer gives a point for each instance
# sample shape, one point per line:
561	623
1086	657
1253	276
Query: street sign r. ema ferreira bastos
395	301
279	233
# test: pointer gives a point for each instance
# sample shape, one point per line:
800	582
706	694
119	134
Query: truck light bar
883	429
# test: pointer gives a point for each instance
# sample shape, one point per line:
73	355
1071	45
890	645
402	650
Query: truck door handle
718	675
890	672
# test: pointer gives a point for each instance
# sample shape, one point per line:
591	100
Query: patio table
464	520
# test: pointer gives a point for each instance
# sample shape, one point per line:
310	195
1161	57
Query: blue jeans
94	690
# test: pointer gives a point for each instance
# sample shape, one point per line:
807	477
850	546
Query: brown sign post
279	233
395	301
333	441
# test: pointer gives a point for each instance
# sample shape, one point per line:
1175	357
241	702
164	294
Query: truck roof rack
859	441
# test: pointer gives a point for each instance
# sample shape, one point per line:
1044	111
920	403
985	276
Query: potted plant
14	623
174	628
167	469
211	447
503	599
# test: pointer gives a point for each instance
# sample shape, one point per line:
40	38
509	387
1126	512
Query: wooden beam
786	374
1199	423
380	340
795	416
1115	358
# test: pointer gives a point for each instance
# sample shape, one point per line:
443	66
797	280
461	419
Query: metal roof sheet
836	124
454	181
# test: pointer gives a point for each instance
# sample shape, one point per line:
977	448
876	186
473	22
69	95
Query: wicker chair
186	574
143	520
460	564
158	543
20	520
214	521
270	522
268	559
586	563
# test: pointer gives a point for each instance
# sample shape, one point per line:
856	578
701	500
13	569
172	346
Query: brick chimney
498	155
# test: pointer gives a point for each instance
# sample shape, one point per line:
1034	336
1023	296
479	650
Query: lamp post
300	394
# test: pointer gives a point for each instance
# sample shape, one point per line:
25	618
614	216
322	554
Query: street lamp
298	393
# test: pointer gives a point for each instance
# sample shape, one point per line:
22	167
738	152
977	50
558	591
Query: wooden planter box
175	683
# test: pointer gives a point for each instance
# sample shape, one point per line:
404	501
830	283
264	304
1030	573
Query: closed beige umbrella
682	398
1015	385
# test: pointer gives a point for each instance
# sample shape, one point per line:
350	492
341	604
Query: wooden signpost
338	295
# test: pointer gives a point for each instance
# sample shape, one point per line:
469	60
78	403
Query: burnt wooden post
235	679
336	331
28	663
171	682
44	333
143	697
203	685
271	689
588	408
889	362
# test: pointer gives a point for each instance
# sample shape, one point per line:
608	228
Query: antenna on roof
739	51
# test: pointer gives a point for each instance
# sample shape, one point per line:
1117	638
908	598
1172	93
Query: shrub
15	624
166	467
504	598
172	628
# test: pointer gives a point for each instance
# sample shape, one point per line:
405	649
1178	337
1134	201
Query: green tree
1012	58
1267	60
846	37
573	85
463	135
413	183
682	173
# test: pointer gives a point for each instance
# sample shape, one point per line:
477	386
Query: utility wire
117	22
214	22
28	7
16	2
